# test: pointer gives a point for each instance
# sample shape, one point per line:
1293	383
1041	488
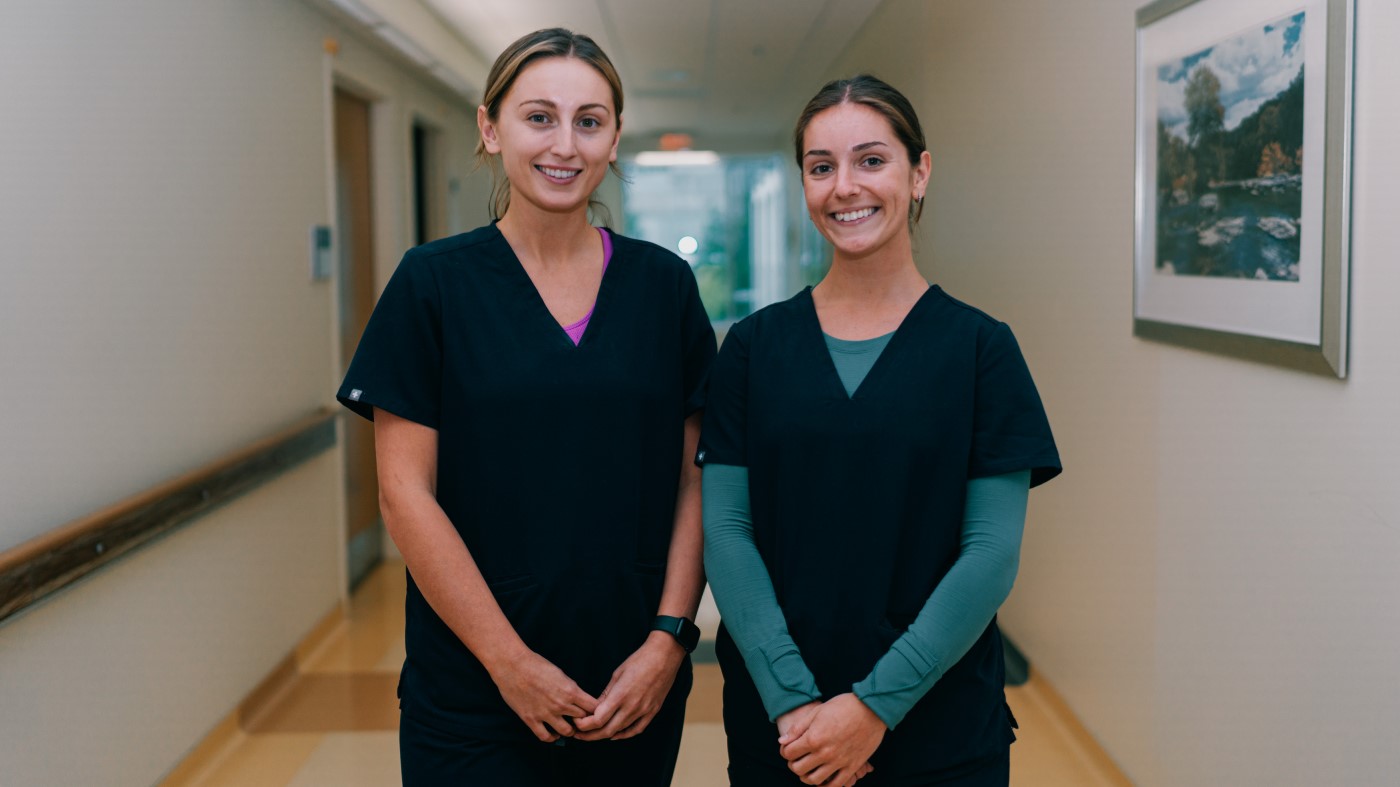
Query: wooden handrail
43	565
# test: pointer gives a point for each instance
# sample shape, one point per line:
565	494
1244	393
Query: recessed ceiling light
677	158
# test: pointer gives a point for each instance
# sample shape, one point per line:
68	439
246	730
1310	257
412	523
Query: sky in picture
1252	69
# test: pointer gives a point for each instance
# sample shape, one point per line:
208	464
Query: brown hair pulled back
875	93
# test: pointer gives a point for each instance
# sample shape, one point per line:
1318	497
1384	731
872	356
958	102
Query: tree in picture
1230	157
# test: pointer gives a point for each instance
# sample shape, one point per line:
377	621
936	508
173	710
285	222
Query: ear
617	137
487	128
921	173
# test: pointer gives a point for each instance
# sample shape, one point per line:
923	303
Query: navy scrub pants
750	768
430	757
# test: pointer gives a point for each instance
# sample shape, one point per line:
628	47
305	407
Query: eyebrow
547	103
856	149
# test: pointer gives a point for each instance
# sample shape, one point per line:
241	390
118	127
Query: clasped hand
542	696
635	693
553	706
830	743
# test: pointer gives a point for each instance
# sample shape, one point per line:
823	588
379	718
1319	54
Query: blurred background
201	199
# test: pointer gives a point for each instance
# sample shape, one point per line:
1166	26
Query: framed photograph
1244	178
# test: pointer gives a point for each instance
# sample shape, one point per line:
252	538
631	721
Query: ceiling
722	70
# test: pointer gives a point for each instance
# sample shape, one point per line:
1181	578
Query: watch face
689	635
683	629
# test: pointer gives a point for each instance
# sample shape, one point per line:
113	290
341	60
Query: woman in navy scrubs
535	387
868	448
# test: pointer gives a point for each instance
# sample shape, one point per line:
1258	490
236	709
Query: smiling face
556	131
858	180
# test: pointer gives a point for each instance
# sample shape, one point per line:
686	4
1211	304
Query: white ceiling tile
723	68
662	47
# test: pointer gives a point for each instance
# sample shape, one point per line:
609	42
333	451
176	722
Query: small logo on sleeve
355	394
700	457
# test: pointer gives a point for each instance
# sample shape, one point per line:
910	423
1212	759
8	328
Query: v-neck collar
532	295
816	338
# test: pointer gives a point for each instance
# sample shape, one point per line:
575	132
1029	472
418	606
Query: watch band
683	629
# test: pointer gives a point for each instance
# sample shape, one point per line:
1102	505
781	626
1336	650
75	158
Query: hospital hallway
1172	224
332	719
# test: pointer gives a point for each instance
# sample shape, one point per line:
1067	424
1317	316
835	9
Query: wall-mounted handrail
46	564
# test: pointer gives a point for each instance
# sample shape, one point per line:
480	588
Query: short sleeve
698	343
723	435
1010	429
398	364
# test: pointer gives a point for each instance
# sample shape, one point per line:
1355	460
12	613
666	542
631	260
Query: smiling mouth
560	174
854	215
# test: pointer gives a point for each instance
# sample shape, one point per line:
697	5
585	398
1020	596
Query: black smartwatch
685	631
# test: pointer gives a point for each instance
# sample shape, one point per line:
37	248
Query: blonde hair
550	42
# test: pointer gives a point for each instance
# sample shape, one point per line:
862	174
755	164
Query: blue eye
821	169
872	161
589	123
537	117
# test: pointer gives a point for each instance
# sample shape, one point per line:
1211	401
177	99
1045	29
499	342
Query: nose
563	145
846	185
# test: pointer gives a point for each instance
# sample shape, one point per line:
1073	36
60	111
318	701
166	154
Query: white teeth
855	214
559	173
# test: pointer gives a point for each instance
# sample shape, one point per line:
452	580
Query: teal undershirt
955	615
854	358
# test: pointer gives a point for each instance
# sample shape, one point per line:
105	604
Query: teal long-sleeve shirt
951	620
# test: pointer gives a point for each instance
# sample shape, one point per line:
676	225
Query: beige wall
1212	583
113	680
163	164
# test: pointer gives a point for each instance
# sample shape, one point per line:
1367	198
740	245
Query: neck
545	237
888	275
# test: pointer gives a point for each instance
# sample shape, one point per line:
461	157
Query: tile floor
335	723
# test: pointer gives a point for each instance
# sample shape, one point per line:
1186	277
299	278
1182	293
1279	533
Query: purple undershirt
576	330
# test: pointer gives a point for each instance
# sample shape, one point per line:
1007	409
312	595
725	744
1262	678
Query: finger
797	730
803	765
574	712
585	701
797	748
600	715
621	720
594	706
635	728
543	732
587	724
560	725
820	774
599	728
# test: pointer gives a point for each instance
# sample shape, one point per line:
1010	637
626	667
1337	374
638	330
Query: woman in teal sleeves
868	448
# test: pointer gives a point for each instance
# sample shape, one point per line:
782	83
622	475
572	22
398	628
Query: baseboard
209	752
1080	736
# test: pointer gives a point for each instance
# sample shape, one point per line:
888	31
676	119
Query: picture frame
1243	178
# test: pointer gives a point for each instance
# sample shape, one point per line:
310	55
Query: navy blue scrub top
857	501
557	464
